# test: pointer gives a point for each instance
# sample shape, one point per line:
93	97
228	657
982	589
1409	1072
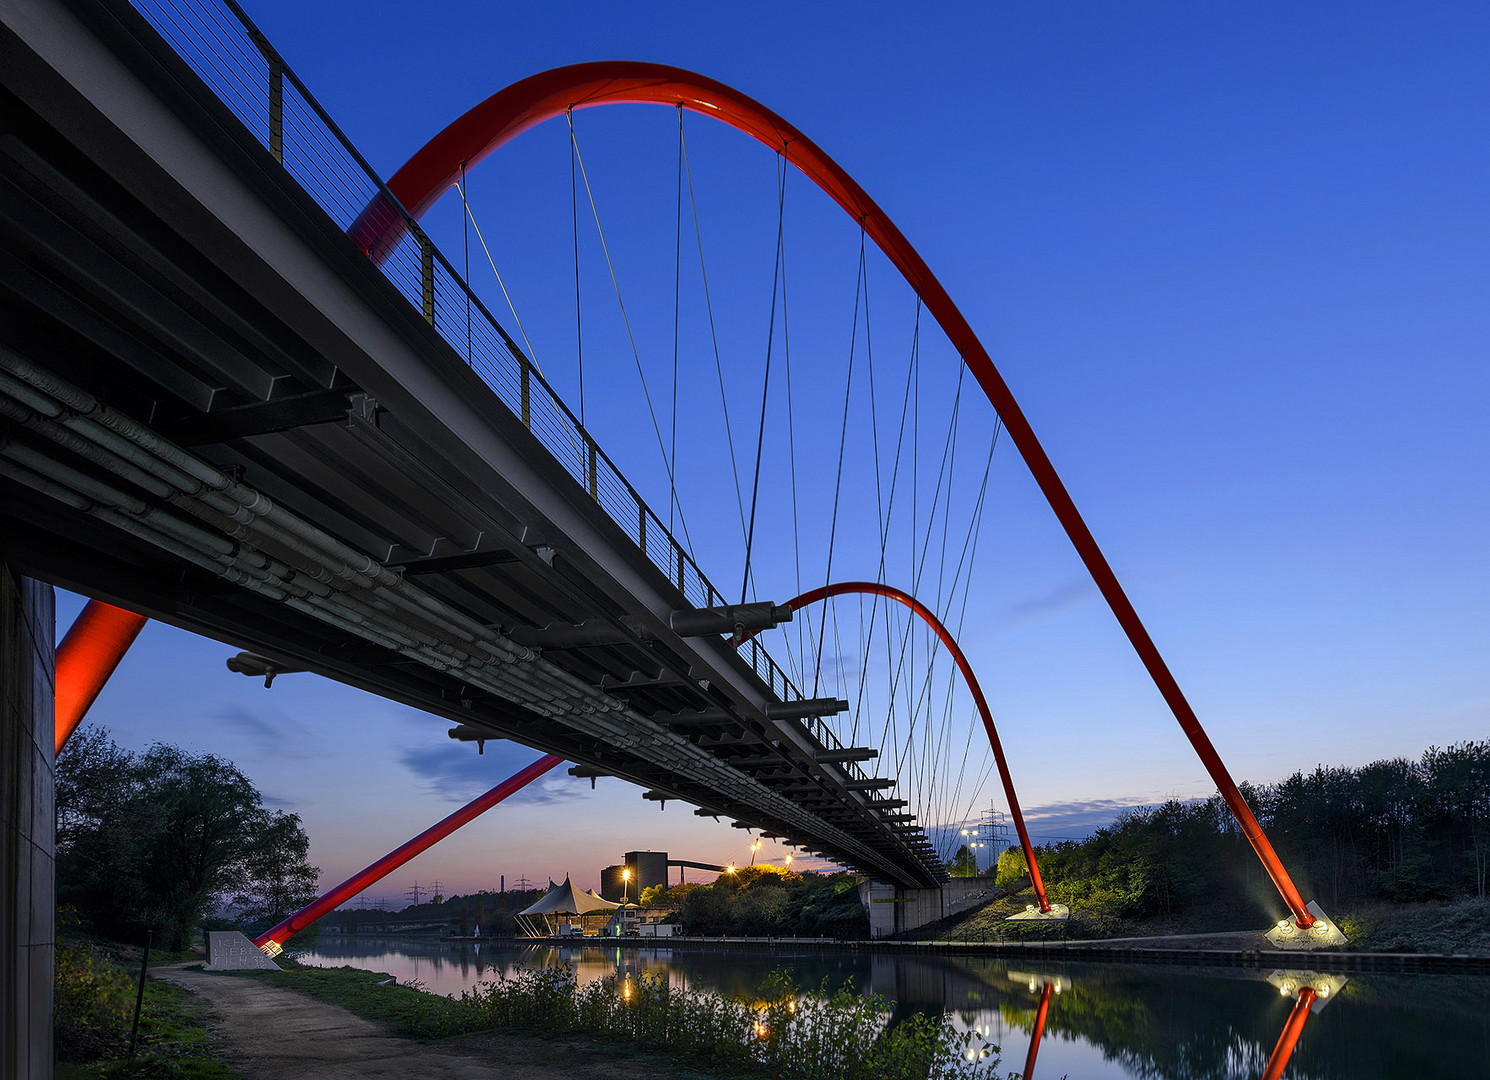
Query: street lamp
625	882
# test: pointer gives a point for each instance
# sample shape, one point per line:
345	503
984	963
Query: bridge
242	392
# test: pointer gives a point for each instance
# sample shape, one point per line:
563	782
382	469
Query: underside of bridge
217	412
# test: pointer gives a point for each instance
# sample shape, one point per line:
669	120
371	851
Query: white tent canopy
565	899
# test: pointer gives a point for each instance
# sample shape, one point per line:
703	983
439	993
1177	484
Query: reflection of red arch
889	592
524	104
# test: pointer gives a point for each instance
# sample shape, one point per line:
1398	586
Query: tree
155	840
1011	870
278	881
964	863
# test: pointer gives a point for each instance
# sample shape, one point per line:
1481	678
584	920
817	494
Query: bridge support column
894	911
27	827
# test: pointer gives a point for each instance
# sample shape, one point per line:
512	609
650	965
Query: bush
93	1002
827	1035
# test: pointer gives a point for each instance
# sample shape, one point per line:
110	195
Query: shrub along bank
94	990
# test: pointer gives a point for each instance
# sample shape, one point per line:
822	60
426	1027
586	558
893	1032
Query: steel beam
273	939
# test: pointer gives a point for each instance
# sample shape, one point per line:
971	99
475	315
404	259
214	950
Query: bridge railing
229	53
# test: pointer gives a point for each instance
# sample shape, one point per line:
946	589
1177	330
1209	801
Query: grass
174	1043
781	1030
410	1011
1461	926
1454	927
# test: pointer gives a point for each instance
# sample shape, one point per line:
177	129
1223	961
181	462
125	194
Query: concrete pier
894	911
27	827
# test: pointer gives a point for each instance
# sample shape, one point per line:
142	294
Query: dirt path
271	1032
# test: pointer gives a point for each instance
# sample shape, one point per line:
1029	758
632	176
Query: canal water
1102	1021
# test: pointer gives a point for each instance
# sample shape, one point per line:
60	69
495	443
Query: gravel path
270	1032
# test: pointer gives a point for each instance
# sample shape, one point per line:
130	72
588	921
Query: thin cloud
266	735
1077	819
457	773
1069	595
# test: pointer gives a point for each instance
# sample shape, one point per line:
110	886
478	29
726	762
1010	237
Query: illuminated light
271	948
983	1053
730	869
1324	991
1282	924
1057	988
760	1031
626	874
972	1054
1032	984
1283	990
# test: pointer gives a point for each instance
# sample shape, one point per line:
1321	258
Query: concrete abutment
27	827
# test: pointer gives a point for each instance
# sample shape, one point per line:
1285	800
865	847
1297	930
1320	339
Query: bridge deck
187	336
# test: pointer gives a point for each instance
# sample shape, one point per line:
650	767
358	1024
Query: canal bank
1154	1016
1205	950
272	1033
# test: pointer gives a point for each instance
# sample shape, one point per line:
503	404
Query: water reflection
1091	1021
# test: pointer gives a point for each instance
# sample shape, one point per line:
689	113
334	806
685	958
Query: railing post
641	526
527	393
594	480
277	108
427	276
679	550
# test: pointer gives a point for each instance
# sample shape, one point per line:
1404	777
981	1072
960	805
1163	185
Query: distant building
648	868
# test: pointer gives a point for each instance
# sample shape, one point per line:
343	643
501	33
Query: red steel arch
926	615
524	104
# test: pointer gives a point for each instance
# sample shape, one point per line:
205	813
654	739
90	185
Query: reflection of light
971	1054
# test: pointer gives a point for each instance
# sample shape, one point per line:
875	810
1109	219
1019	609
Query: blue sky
1231	259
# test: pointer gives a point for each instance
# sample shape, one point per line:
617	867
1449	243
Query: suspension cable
630	337
579	326
532	353
760	440
677	295
729	431
848	386
466	237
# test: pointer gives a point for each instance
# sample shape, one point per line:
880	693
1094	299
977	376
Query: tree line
767	901
1397	829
